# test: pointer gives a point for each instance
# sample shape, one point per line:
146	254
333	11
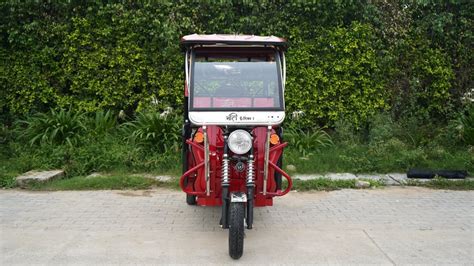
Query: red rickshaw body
232	138
197	184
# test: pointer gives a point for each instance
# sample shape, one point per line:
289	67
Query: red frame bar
186	174
270	164
288	178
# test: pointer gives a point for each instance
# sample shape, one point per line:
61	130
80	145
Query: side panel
260	134
216	144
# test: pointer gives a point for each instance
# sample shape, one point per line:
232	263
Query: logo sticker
231	117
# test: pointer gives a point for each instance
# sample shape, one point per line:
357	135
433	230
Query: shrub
100	154
336	75
6	181
155	131
5	137
307	141
467	123
381	128
102	122
55	127
346	59
422	81
4	134
345	132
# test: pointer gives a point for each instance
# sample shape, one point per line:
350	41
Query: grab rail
288	178
186	174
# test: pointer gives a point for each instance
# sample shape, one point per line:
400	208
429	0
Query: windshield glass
236	83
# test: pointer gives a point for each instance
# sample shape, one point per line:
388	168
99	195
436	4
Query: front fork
250	189
250	184
225	186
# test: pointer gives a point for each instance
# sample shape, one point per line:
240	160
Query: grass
135	182
106	182
326	184
360	158
441	183
122	181
9	169
7	178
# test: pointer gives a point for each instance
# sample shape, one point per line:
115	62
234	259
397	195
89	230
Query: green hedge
337	75
347	60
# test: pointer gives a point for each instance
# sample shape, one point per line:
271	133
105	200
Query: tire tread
236	230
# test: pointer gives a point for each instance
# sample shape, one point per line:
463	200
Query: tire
278	175
236	229
190	199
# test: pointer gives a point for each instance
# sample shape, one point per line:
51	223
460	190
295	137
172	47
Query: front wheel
236	229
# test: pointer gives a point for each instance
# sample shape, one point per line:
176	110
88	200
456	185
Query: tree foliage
347	59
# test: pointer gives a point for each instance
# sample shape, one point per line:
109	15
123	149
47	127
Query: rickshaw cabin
219	78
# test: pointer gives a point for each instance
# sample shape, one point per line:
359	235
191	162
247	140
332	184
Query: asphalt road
382	226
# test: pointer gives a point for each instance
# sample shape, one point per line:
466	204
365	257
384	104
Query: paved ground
383	226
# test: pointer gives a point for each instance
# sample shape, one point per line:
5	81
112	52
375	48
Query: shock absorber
225	185
250	171
225	170
250	189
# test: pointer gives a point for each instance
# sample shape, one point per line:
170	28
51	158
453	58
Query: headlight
240	141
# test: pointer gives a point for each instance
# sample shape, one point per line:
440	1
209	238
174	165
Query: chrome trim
265	162
250	171
189	60
232	148
238	197
284	70
206	161
225	167
186	69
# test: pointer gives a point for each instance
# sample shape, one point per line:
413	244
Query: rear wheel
190	199
236	229
186	134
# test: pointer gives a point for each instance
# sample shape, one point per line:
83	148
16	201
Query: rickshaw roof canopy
232	39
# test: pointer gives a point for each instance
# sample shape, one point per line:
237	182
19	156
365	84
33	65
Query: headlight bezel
237	138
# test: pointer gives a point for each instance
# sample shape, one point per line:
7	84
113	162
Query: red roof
232	39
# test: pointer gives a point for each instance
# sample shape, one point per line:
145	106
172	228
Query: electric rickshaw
232	139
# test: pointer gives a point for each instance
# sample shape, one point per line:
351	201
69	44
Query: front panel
233	118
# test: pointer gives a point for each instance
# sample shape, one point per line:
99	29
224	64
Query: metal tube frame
225	186
250	189
266	158
284	69
186	69
206	161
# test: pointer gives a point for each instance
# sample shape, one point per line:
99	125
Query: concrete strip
161	178
340	176
390	179
307	177
38	176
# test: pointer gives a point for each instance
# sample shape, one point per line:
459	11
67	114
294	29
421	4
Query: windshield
236	83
